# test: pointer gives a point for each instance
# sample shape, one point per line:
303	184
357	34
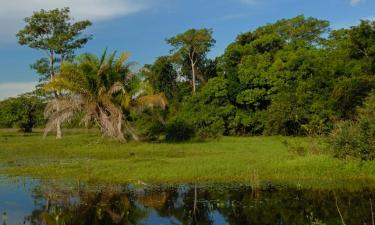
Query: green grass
251	160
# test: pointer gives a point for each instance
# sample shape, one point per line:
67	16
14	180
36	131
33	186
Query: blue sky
141	26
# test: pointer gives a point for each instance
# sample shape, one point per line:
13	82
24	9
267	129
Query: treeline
292	77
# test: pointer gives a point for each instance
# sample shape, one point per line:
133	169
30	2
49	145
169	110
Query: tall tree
194	44
55	33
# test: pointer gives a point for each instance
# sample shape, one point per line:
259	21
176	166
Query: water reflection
56	204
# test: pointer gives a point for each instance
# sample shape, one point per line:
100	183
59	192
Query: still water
25	201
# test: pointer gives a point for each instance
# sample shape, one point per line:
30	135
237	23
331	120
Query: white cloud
355	2
15	88
12	12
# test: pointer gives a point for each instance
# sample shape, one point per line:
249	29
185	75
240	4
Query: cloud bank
15	88
13	12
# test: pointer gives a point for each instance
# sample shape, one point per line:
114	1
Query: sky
140	27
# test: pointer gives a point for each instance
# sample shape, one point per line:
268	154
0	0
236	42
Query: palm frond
61	110
120	62
158	100
115	88
101	89
104	55
111	59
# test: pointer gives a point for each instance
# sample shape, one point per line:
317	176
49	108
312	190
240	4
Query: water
33	202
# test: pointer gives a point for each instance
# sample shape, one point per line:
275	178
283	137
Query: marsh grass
84	156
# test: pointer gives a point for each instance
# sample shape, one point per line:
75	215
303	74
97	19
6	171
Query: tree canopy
53	32
193	45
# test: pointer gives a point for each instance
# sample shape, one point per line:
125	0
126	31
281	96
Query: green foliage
349	93
53	32
162	76
24	112
149	124
356	138
191	48
274	62
193	43
290	78
208	110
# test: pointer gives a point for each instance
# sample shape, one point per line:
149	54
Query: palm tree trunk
58	125
58	130
120	135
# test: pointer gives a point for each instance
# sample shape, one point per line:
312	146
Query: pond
26	201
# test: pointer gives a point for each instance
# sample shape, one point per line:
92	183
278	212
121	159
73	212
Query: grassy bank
253	160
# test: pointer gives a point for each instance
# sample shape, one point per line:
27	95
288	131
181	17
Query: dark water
32	202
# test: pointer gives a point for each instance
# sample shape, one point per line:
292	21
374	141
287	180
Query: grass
251	160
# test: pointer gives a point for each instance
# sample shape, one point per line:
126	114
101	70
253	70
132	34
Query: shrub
24	112
344	139
148	124
178	130
356	138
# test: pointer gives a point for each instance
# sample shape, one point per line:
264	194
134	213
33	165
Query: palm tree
100	88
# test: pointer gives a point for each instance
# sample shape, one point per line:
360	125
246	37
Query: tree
54	33
278	57
192	45
162	76
208	111
101	88
24	112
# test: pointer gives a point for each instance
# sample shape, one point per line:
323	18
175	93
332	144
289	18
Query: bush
149	124
344	139
178	130
356	138
24	112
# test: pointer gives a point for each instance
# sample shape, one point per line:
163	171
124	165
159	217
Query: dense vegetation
292	77
285	78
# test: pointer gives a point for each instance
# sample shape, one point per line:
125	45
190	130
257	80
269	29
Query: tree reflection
195	205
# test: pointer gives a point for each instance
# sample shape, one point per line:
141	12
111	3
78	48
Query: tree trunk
120	135
58	130
193	75
52	75
51	62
